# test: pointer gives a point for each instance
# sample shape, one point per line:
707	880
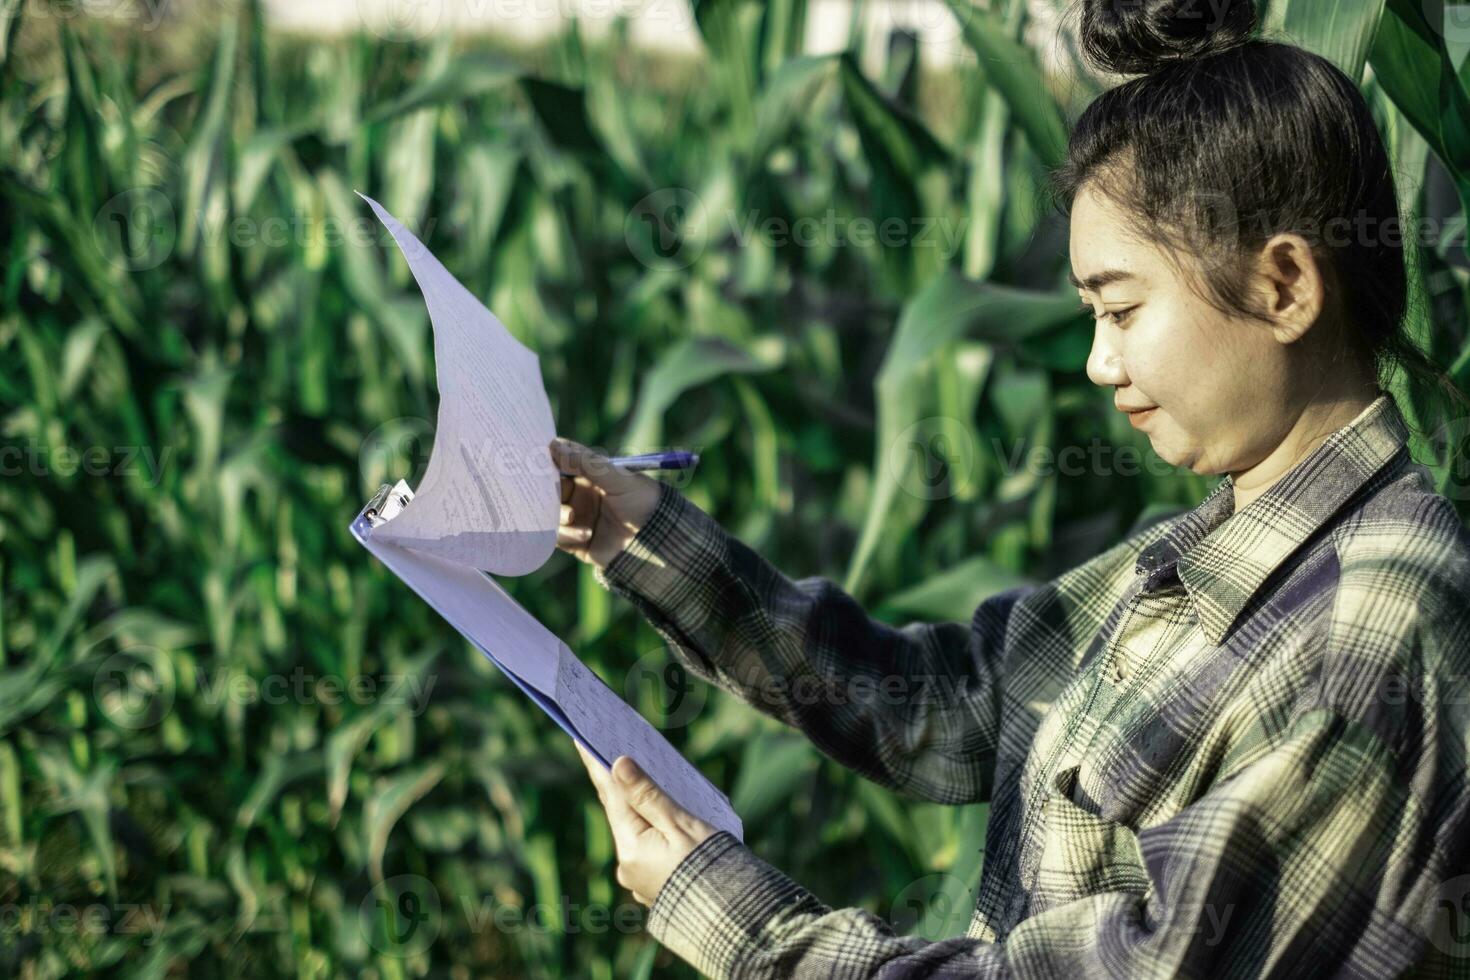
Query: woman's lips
1138	418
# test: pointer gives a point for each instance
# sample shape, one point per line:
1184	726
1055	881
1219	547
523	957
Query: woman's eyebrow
1095	282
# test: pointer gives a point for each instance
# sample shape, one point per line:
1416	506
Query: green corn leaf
685	366
9	24
1340	32
85	794
610	117
731	30
245	888
1410	61
541	861
765	445
1013	70
793	94
488	177
910	178
774	766
11	798
81	347
950	308
92	573
986	195
462	77
205	204
410	166
403	320
384	808
86	265
1406	63
783	33
348	740
949	911
277	772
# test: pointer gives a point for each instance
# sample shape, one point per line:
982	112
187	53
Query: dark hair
1228	139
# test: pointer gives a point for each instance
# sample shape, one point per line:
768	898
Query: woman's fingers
646	797
626	822
565	454
581	505
575	458
581	461
577	518
594	768
574	542
586	503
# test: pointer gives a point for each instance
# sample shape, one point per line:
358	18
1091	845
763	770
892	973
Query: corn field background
231	743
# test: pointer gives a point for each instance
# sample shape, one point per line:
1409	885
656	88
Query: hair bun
1134	37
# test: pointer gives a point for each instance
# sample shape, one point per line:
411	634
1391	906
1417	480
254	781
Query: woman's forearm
914	708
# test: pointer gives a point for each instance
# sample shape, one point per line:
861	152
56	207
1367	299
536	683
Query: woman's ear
1289	286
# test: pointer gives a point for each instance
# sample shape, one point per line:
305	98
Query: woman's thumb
576	459
643	794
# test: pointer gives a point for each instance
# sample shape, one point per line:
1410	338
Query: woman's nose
1105	361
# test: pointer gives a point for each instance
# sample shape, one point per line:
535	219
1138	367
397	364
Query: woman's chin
1174	456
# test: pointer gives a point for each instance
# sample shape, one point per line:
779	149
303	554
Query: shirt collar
1224	558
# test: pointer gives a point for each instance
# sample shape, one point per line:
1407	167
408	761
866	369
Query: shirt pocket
1081	852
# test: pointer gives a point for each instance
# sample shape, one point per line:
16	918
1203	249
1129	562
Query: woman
1233	744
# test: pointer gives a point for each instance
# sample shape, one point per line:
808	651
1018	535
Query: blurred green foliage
210	356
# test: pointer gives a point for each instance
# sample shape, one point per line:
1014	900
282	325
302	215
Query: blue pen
677	459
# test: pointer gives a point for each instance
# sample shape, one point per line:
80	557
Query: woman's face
1218	385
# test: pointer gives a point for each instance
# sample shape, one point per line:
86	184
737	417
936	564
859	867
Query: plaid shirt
1233	744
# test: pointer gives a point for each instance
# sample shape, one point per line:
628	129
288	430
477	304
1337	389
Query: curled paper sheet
490	502
491	496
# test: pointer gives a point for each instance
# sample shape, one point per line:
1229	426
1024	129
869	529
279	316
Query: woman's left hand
651	832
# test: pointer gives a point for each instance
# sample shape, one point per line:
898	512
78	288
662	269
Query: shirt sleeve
1311	860
913	708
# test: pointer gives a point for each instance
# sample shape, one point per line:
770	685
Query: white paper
620	730
490	496
490	618
490	501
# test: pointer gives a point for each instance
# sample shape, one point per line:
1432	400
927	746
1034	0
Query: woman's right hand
602	505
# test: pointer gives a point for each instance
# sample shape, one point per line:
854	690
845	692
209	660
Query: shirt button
1120	670
1043	805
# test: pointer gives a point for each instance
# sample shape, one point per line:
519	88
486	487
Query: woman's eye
1117	316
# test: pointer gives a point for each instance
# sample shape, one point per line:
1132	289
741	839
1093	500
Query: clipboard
539	663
